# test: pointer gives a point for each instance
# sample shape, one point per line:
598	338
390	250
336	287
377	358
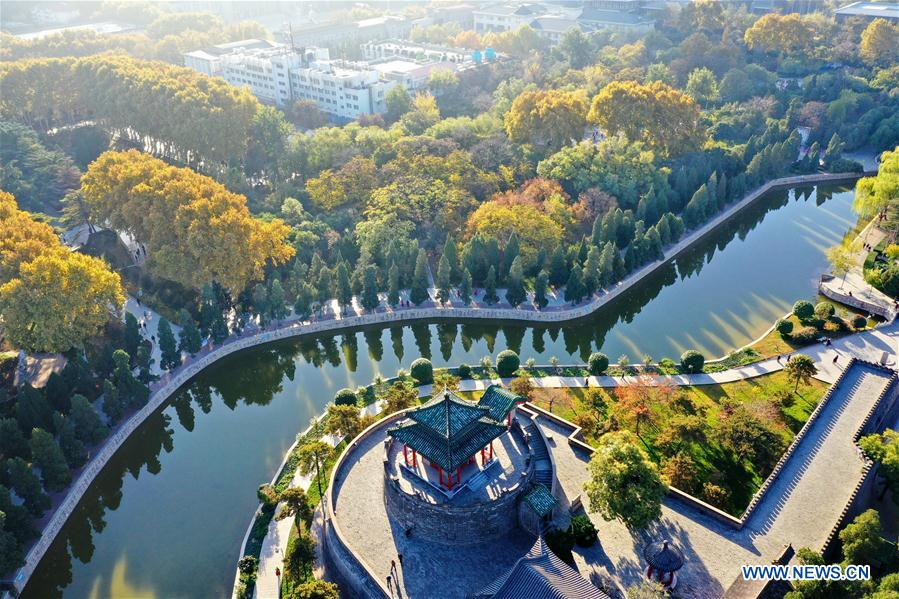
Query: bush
887	279
692	361
507	362
844	165
805	335
345	397
715	495
583	531
784	327
824	310
247	564
464	371
859	322
422	371
803	310
598	363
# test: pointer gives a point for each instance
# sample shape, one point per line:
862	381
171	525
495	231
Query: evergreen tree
452	258
132	334
596	234
131	390
444	284
473	259
12	441
32	409
260	304
171	357
593	271
189	336
113	406
277	301
664	230
27	485
626	229
418	293
490	296
515	292
325	292
539	262
540	290
722	191
209	308
465	287
344	290
513	248
653	242
370	299
219	331
302	307
86	421
393	285
558	267
574	289
73	449
47	455
834	149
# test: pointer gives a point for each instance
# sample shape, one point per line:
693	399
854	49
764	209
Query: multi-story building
506	17
870	11
414	50
278	74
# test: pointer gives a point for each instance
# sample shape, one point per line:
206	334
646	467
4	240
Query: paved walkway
800	508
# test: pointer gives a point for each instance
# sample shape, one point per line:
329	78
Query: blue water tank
476	56
490	54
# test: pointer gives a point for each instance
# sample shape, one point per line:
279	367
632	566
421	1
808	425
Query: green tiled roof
499	401
541	500
448	430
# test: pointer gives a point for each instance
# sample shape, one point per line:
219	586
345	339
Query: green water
166	517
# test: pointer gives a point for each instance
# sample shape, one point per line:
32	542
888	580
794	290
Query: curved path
164	388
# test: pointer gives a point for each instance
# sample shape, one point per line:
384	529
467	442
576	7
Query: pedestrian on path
835	358
778	359
587	382
399	556
393	567
390	584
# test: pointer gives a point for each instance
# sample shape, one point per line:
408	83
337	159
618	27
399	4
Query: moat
178	496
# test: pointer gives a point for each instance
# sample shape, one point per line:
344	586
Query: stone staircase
542	465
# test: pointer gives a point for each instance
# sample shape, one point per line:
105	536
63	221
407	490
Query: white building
505	17
413	50
278	74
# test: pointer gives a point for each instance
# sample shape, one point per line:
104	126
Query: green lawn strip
714	463
774	344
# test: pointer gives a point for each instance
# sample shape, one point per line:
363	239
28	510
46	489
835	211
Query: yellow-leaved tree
547	117
880	43
51	299
194	229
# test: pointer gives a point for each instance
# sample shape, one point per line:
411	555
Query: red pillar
459	475
509	419
491	450
405	454
414	459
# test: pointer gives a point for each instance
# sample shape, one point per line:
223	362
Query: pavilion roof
540	573
448	430
499	401
541	500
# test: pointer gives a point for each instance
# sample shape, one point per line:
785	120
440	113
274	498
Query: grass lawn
714	463
773	344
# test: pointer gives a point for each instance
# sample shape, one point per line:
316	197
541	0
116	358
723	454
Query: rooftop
870	9
611	17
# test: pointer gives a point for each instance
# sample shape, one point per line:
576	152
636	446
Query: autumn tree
879	45
343	421
399	397
624	484
550	118
664	118
782	34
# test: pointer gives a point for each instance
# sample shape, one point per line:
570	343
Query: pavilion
449	432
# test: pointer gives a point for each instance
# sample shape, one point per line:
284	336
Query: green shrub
507	362
692	361
583	530
784	327
859	321
247	565
887	279
806	335
598	363
824	310
845	165
803	310
464	371
345	397
422	371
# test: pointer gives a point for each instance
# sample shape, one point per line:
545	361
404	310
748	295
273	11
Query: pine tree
515	291
113	406
722	191
473	258
370	299
131	390
465	287
324	288
444	284
558	267
132	334
513	248
490	296
593	271
344	290
418	293
664	230
189	336
596	235
171	357
47	455
260	303
27	486
277	301
574	288
219	331
540	290
452	257
393	285
302	307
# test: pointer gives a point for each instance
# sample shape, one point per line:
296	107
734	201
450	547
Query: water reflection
168	513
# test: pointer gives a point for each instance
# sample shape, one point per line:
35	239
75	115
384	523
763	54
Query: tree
314	589
666	119
113	404
400	396
522	386
490	296
540	289
130	390
132	334
302	307
692	361
343	421
576	47
399	102
783	34
702	86
597	363
27	486
634	403
418	293
345	397
171	357
507	362
800	369
784	327
624	483
574	289
550	118
749	438
884	449
878	43
49	458
294	502
863	542
189	340
444	283
422	371
393	281
277	302
370	299
680	472
803	310
298	558
312	457
88	426
647	589
465	288
515	291
344	290
842	258
12	442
